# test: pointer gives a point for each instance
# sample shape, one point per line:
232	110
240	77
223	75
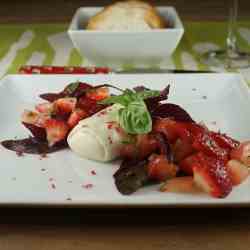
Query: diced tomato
160	169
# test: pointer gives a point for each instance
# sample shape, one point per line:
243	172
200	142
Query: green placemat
48	44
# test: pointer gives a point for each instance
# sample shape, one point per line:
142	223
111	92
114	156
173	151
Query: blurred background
26	11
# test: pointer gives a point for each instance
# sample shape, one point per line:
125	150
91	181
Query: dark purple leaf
140	88
32	145
131	176
153	102
51	97
36	131
71	90
169	110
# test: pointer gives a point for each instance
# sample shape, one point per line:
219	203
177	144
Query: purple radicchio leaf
169	110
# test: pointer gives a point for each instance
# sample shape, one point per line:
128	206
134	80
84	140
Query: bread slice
130	15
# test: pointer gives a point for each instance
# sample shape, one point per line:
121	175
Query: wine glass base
223	59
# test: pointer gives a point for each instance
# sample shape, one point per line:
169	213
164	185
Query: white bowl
115	48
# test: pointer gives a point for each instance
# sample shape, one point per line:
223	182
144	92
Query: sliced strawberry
238	171
212	176
203	142
46	107
242	153
180	185
65	105
181	150
146	144
160	169
32	117
89	105
187	164
56	131
76	116
98	94
167	127
224	141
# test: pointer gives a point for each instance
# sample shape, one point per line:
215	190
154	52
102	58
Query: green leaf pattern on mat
48	44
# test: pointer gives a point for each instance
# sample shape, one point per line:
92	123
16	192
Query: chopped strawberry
160	169
89	105
167	127
46	107
76	116
186	165
56	131
181	150
238	171
98	94
140	147
203	142
65	105
32	117
242	153
146	145
184	184
224	141
212	176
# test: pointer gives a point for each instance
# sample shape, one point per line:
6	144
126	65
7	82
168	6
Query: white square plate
222	101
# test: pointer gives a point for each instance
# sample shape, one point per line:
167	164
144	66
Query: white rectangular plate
220	100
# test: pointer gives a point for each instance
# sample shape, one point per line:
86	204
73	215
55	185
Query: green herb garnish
134	116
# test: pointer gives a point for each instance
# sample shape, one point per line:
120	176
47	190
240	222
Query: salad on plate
156	141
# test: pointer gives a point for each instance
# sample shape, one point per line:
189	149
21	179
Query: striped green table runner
48	44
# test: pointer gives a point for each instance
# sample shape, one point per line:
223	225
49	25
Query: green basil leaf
135	119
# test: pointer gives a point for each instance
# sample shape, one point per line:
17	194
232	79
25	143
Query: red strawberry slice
65	105
187	164
32	117
160	169
56	131
89	105
242	153
167	127
76	116
238	171
212	176
224	141
98	94
46	107
184	184
181	150
203	142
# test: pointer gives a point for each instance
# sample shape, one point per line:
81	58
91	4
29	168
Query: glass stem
231	41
